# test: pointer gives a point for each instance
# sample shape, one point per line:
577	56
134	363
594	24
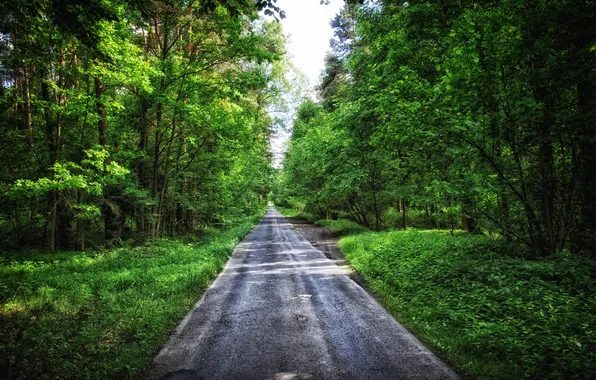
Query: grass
342	226
102	314
492	315
293	213
339	227
289	212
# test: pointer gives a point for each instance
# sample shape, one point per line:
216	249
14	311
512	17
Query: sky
307	27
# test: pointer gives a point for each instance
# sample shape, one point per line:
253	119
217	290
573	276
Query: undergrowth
493	315
102	314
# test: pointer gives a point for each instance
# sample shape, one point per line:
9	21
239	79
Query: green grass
293	213
342	226
492	315
102	315
289	212
339	227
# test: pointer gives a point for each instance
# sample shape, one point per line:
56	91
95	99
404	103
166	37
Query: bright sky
307	26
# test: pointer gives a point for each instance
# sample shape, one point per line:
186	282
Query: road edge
355	276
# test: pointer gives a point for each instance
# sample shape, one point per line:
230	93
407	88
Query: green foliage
494	316
125	120
103	314
94	173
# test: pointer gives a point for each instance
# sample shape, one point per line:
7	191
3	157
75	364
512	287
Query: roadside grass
342	226
293	213
103	314
289	212
339	227
492	315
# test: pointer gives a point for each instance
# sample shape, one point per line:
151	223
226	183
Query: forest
458	114
132	120
451	146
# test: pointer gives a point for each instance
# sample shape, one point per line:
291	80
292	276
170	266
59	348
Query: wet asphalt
282	310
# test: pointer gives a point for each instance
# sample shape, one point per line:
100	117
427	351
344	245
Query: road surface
282	310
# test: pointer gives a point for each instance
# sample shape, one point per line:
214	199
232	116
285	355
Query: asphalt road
282	310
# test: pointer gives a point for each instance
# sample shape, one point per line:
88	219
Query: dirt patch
327	242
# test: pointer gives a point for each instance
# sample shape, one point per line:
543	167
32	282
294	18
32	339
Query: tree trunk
110	220
53	221
157	143
27	105
547	177
53	153
142	163
63	230
102	124
403	213
586	240
468	222
158	120
165	179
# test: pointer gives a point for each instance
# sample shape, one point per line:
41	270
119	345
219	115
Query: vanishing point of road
282	310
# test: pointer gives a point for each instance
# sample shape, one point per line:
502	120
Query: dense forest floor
490	313
103	314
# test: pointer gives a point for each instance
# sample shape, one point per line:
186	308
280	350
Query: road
282	310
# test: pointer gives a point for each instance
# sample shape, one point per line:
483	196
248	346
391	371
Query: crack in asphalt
281	309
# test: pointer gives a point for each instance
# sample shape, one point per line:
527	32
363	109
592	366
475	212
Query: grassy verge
492	315
293	213
339	227
342	226
102	315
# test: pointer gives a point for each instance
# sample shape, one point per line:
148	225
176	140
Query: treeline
133	119
478	115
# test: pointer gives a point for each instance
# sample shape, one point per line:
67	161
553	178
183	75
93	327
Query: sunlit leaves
93	173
